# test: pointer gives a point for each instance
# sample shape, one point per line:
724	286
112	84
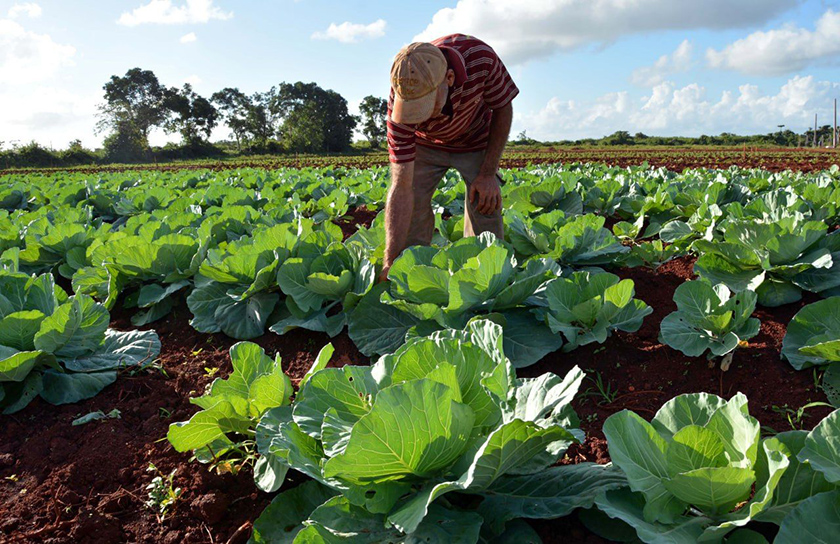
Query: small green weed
162	494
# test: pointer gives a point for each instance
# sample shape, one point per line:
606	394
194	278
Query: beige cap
417	72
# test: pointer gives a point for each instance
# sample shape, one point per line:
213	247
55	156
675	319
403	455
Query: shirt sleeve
401	137
499	88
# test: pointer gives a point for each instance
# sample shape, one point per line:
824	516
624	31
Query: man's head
421	79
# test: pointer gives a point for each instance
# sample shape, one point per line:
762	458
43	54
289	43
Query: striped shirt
482	84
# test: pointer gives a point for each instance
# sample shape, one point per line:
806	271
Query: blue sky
584	67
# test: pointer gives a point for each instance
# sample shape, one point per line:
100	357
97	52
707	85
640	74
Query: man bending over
449	107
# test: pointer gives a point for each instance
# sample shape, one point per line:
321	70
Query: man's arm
484	190
398	210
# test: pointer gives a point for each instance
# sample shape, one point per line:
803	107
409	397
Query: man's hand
485	194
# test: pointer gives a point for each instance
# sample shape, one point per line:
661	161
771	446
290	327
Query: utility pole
815	130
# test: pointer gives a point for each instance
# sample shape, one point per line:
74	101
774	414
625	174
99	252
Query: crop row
675	158
254	250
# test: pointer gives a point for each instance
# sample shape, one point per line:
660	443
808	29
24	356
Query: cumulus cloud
521	31
27	9
51	115
348	32
189	38
687	110
29	57
33	103
166	13
193	80
781	51
678	61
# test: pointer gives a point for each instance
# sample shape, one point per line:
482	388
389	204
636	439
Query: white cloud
34	103
50	115
688	111
28	57
166	13
678	61
781	51
348	32
189	38
28	9
193	80
522	31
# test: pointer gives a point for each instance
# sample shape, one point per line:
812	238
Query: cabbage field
207	356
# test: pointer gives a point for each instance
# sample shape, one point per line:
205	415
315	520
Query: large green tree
192	115
374	112
135	101
312	119
248	117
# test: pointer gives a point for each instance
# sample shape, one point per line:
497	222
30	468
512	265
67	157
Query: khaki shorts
430	165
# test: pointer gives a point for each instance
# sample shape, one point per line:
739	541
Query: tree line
293	117
290	117
780	138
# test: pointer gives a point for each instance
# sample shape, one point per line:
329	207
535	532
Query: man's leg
430	165
468	164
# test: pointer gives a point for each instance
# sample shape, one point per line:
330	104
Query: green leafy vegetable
59	347
587	307
223	431
813	335
776	260
443	415
692	469
709	319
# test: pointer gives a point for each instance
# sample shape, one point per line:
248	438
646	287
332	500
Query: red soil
357	217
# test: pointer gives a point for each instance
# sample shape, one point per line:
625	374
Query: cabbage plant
16	195
450	285
10	236
571	241
813	335
586	307
699	225
49	243
776	260
435	288
709	320
236	288
222	432
771	206
699	470
58	347
816	518
152	258
540	190
401	446
650	254
323	275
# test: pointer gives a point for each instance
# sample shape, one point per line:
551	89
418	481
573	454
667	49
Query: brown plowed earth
356	218
673	158
86	484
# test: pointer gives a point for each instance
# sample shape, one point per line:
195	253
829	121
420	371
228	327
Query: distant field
674	158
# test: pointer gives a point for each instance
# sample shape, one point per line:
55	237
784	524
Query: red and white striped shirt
482	84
